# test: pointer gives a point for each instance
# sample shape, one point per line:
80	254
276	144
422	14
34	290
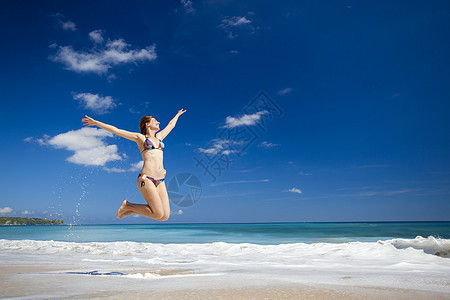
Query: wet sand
28	281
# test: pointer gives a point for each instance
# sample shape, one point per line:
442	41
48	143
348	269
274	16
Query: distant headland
29	221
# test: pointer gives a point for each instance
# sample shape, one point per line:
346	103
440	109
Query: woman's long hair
144	120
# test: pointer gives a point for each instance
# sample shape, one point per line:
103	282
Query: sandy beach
40	281
416	268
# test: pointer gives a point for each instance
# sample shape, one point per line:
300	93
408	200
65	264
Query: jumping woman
150	181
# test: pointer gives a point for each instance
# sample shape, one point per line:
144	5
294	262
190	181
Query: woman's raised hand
88	121
181	111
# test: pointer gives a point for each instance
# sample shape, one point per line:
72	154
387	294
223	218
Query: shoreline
46	280
393	269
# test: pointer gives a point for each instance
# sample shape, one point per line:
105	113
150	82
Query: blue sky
361	133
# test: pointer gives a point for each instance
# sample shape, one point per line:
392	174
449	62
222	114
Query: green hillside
29	221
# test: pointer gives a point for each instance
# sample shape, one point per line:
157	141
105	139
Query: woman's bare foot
123	210
127	213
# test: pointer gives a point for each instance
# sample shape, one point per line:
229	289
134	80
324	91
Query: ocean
256	233
407	255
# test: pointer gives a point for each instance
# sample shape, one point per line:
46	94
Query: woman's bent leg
162	191
128	208
154	208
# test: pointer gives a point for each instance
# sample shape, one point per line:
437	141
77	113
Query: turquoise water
261	233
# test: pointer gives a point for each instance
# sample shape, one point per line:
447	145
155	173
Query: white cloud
115	52
136	167
41	141
229	23
96	36
304	173
234	52
28	212
295	190
98	156
228	152
111	77
267	145
114	170
88	146
212	150
187	4
69	25
231	36
5	210
234	21
219	145
94	102
224	146
247	120
396	192
65	24
240	181
379	193
284	91
178	212
133	168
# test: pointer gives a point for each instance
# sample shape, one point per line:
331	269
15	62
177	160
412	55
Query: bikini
148	145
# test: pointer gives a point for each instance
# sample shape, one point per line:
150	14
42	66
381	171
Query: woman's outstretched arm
132	136
163	133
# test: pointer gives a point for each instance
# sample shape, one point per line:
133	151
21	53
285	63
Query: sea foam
420	246
430	245
420	263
